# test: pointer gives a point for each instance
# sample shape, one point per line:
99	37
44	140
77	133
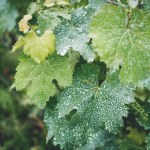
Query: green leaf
85	92
6	102
50	18
96	4
146	5
97	107
145	121
38	78
8	15
74	1
74	34
129	144
103	141
148	142
119	43
39	48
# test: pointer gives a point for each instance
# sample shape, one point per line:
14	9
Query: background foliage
21	125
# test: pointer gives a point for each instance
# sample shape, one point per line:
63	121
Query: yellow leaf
38	48
62	2
50	3
137	136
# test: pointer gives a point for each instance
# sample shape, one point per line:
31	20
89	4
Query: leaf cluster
88	64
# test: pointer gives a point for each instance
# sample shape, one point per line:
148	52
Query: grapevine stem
32	28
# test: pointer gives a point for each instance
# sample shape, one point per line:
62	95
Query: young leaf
38	77
97	107
73	34
23	23
124	43
50	3
38	48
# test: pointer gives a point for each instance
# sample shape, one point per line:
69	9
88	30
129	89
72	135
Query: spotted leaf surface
37	78
122	43
102	140
97	107
50	18
73	34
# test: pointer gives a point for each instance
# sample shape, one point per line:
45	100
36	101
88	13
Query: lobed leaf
122	43
97	107
50	18
37	47
38	78
73	34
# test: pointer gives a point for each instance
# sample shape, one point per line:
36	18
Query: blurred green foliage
21	126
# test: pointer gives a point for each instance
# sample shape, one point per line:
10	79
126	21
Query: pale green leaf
119	44
97	107
38	78
133	3
37	47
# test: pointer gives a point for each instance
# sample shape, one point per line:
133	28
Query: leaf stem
32	28
129	17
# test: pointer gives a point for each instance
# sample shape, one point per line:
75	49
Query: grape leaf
148	142
38	78
137	136
97	107
50	3
133	3
119	44
146	5
96	4
39	48
102	140
145	122
74	1
73	34
8	15
50	18
128	144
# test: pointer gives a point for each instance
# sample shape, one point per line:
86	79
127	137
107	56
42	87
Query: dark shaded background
21	125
